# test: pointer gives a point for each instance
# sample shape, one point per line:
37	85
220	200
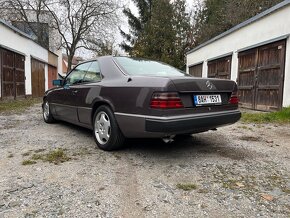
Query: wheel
107	134
47	116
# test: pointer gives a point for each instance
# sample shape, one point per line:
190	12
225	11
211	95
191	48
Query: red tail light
166	100
234	99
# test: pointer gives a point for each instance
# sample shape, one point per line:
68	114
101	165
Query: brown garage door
196	70
52	75
38	78
261	77
13	74
220	68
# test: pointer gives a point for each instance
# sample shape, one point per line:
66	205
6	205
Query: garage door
52	75
261	77
220	68
12	74
38	78
196	70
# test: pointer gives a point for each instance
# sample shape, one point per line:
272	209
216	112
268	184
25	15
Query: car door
66	107
87	91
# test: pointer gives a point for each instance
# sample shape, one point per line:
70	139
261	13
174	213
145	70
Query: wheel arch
99	103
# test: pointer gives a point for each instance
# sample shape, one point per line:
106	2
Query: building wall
267	28
54	37
19	44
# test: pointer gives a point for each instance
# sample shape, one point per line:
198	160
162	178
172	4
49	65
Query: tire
46	113
107	134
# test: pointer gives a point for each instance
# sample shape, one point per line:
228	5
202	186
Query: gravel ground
238	171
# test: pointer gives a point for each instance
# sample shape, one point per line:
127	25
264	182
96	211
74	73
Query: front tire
47	116
107	134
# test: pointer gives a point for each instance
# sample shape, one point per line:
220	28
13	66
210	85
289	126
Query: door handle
75	92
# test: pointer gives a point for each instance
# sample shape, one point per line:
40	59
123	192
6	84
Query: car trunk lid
202	85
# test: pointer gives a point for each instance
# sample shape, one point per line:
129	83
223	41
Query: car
124	97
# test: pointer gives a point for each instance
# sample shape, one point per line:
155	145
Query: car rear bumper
142	126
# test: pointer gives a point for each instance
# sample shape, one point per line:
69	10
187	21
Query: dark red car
122	97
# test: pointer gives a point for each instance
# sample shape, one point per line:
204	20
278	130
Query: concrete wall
272	26
13	41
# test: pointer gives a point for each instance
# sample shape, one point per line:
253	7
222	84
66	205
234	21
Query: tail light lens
234	99
166	100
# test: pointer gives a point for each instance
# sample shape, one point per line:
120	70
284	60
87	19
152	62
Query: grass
28	162
186	187
282	116
18	105
56	156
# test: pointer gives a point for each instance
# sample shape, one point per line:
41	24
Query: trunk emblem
209	85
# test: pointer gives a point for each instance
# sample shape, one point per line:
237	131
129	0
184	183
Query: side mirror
57	82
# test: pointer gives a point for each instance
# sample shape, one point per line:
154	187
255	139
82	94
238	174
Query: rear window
143	67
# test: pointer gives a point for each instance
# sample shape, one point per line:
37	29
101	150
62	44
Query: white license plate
207	99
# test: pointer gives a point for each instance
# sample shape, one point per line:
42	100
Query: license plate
207	99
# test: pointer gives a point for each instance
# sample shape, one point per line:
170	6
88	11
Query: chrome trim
179	117
65	105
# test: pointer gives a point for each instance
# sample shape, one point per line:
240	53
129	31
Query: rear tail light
234	99
166	100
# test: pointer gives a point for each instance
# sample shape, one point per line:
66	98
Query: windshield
143	67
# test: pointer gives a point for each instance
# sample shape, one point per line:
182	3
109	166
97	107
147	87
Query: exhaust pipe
168	139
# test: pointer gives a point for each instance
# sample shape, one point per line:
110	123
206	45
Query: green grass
56	156
28	162
186	187
282	116
18	105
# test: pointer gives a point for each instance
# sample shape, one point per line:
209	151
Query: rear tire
107	134
46	113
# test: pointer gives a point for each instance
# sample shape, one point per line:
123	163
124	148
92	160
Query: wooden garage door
38	78
261	77
196	70
220	68
13	74
52	75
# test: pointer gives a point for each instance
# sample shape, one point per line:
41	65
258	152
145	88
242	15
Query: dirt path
238	171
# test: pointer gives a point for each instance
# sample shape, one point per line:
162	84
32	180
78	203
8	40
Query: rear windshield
143	67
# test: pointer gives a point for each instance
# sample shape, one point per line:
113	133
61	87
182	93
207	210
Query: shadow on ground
206	144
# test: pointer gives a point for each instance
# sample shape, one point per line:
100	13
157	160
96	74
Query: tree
136	24
183	32
29	16
213	17
157	39
161	32
84	24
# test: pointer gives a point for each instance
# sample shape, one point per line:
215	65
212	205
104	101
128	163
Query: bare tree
86	24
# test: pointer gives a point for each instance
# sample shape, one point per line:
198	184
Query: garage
261	76
52	75
12	74
196	70
37	78
255	54
220	68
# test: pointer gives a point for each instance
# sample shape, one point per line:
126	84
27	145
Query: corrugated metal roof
243	24
15	29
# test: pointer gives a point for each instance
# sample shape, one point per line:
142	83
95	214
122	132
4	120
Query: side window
93	73
77	75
